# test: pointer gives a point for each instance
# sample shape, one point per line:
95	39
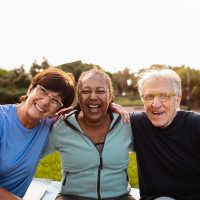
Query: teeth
40	109
157	113
93	106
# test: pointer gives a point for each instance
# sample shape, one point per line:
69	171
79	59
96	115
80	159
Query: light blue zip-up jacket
84	172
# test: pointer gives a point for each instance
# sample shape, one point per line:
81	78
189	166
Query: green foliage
76	68
10	95
133	171
3	72
13	84
50	167
124	82
35	68
190	85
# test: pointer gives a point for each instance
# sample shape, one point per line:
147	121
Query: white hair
166	74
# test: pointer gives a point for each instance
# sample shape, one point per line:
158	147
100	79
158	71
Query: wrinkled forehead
157	85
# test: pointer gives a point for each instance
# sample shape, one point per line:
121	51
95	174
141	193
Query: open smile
158	113
39	108
94	107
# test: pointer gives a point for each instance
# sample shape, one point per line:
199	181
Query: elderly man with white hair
167	140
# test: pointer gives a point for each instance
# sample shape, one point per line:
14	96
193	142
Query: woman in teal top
94	144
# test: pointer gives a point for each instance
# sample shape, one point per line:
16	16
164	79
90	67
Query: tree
45	64
124	82
35	68
14	83
76	68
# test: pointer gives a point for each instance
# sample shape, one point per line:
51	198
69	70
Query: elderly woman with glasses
93	143
25	128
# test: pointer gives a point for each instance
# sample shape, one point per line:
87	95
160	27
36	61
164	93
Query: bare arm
5	195
119	109
64	110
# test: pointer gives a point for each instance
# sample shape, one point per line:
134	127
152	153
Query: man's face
161	103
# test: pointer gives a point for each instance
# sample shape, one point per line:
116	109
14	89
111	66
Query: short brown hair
55	80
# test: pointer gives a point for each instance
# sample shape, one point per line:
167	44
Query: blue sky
111	33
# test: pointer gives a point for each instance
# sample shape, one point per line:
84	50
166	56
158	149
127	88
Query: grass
50	167
132	171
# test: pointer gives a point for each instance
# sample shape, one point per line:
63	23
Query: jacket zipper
64	180
101	159
127	177
99	178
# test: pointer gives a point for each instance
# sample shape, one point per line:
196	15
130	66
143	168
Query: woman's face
94	97
41	103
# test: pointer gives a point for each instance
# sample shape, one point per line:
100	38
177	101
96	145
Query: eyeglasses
53	101
161	96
